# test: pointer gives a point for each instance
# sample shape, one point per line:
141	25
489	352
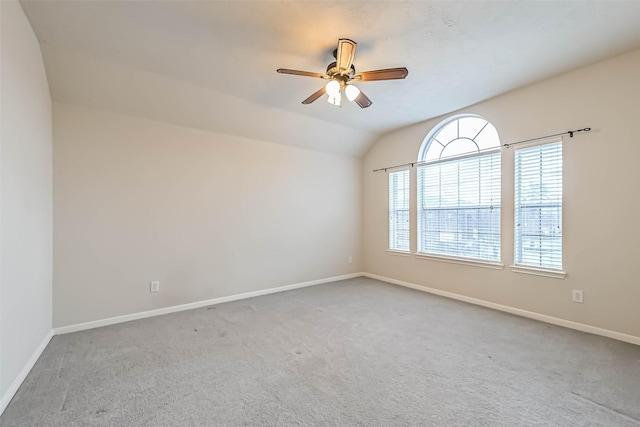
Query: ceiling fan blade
315	96
344	55
301	73
363	100
385	74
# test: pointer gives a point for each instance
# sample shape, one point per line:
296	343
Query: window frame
556	273
390	249
424	149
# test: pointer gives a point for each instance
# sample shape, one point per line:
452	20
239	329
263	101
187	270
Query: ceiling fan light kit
335	99
341	72
332	88
351	91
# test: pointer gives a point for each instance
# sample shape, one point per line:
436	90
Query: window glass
399	210
459	199
538	206
458	147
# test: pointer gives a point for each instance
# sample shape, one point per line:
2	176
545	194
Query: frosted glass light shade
333	88
335	99
352	92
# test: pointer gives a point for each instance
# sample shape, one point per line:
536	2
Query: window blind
399	210
538	206
459	208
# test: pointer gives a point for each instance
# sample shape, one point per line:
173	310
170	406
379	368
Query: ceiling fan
342	72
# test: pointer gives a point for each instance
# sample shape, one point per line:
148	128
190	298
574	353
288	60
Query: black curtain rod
569	132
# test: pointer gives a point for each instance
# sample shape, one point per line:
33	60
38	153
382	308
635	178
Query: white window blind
399	210
538	206
459	208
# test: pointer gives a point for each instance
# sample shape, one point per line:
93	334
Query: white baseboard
6	399
507	309
198	304
15	385
512	310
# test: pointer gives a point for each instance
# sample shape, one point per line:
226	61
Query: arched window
459	190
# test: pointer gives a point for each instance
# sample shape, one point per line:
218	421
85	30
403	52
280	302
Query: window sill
398	253
462	261
544	272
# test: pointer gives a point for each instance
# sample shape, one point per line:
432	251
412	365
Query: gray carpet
352	353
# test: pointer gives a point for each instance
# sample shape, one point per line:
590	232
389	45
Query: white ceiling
211	64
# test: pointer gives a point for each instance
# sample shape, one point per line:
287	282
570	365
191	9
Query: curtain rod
569	132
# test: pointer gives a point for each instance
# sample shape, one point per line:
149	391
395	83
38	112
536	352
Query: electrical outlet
349	260
577	296
155	286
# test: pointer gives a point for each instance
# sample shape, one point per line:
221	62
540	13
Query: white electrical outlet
155	286
349	260
577	296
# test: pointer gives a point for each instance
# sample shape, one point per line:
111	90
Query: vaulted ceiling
211	64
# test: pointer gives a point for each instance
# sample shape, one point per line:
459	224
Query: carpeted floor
352	353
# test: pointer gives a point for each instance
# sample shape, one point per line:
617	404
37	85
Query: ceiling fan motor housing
332	72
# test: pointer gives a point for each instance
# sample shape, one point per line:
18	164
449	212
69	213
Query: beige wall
601	199
206	214
25	199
